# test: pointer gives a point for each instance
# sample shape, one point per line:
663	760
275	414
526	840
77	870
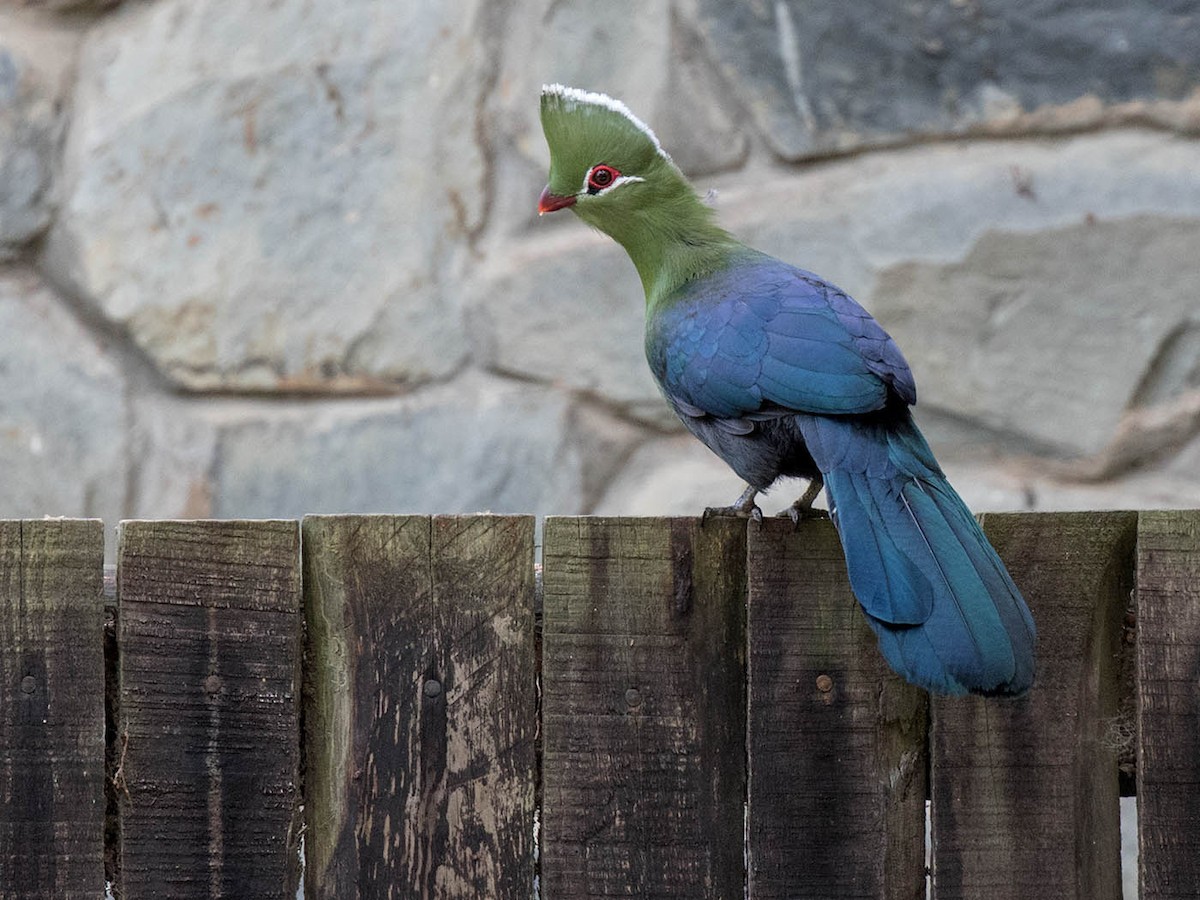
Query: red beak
549	202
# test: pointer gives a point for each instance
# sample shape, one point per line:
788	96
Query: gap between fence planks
51	709
421	707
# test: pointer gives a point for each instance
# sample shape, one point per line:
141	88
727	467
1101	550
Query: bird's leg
803	507
744	506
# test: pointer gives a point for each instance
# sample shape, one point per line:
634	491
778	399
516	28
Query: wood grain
1025	791
1168	704
837	742
421	707
209	636
51	709
643	708
420	697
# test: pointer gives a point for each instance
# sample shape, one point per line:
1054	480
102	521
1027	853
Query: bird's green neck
671	241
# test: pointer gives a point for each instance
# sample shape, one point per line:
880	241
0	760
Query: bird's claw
803	507
799	513
744	508
742	512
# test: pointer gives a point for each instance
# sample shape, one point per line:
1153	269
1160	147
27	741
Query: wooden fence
670	712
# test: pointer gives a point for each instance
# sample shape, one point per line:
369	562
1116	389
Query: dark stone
822	75
27	135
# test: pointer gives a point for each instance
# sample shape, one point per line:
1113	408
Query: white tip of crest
595	98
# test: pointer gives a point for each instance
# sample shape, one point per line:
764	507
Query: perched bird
781	373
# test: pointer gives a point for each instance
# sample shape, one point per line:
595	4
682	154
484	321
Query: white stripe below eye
617	182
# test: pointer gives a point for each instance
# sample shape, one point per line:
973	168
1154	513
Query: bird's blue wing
766	337
880	353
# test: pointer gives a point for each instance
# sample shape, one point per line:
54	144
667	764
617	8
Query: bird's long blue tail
948	616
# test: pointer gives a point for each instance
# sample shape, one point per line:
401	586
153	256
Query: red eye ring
601	177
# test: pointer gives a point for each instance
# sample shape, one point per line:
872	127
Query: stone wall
263	259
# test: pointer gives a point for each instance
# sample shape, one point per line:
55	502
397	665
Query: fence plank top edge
412	515
546	517
27	519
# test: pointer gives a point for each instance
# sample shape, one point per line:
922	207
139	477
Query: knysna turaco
782	374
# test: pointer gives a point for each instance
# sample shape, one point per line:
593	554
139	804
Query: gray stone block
567	309
173	443
29	128
676	476
282	213
830	75
63	422
1053	334
481	444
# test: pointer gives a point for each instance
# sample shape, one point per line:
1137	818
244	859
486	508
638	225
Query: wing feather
769	336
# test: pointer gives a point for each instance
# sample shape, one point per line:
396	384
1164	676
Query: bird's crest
564	106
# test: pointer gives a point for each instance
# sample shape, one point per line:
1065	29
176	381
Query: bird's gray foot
803	507
744	508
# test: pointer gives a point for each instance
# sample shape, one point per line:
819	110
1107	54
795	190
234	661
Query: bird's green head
605	162
607	166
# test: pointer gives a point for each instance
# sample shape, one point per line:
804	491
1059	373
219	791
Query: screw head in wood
28	684
824	684
433	687
633	697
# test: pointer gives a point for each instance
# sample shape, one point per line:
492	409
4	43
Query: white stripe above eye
594	98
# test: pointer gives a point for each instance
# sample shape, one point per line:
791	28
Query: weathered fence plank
1025	792
51	709
1168	704
837	743
643	708
420	707
209	637
421	721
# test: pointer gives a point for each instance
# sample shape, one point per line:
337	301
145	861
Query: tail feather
885	578
946	612
1014	614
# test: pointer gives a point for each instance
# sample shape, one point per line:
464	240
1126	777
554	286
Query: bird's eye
601	177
